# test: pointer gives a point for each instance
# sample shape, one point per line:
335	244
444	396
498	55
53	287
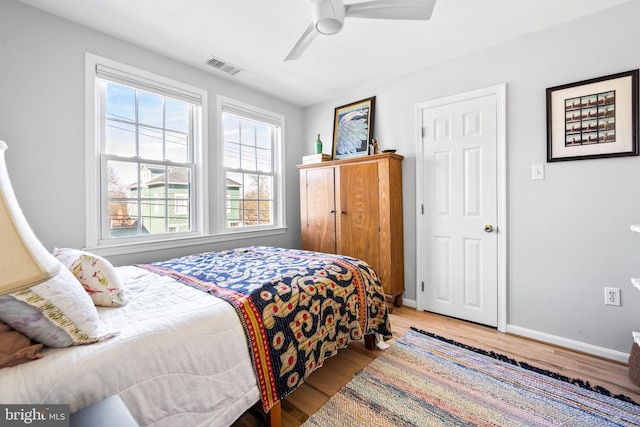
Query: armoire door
358	227
318	213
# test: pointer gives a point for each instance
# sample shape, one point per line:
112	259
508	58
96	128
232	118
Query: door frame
501	165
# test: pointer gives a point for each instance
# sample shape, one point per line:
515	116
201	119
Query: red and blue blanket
297	307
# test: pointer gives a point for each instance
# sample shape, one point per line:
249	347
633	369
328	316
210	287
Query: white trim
147	81
567	343
92	185
252	112
409	303
138	247
92	152
501	164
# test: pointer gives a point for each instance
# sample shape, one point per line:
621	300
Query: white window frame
259	114
94	205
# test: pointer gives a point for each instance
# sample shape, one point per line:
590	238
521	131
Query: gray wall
42	119
569	234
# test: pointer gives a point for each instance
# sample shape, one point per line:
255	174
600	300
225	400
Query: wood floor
339	370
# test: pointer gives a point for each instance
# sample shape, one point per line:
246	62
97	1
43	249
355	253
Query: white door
461	167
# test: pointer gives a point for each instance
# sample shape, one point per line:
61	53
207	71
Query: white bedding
180	359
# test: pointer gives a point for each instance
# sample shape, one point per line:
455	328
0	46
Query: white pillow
56	313
96	274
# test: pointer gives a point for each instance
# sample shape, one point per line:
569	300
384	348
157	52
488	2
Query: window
148	143
252	182
153	179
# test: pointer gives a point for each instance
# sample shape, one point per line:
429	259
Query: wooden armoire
353	207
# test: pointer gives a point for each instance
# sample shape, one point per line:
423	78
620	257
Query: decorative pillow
15	348
56	313
97	275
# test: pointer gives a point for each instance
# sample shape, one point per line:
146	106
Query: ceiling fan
328	16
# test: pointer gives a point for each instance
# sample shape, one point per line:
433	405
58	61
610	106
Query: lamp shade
24	261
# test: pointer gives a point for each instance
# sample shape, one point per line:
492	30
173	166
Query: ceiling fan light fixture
328	16
328	26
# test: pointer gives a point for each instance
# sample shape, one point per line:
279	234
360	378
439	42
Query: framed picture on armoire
353	128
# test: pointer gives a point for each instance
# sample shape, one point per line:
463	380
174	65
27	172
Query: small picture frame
353	128
593	118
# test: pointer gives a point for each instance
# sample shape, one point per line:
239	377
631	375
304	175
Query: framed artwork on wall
353	128
593	118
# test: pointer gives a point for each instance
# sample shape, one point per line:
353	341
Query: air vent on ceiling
223	66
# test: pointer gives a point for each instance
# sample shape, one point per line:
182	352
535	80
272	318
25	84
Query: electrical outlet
612	296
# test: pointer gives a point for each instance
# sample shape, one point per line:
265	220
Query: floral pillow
96	274
56	313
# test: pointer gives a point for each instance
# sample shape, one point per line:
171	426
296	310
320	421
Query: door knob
488	228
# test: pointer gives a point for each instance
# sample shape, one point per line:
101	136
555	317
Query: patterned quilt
297	307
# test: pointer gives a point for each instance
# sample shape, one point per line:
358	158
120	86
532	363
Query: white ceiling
256	35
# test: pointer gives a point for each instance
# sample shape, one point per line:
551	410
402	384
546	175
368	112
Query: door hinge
422	209
422	286
424	131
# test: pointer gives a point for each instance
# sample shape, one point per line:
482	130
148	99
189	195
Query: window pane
266	198
232	156
233	216
264	160
150	142
234	184
150	109
248	158
265	213
179	181
176	115
231	126
266	186
178	214
120	102
251	196
233	198
120	138
152	182
123	210
263	136
153	215
248	132
251	186
177	146
122	177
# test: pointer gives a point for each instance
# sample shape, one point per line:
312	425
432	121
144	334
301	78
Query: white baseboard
409	303
555	340
574	345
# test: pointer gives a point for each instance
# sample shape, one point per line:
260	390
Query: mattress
180	358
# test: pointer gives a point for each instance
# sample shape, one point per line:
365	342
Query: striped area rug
426	380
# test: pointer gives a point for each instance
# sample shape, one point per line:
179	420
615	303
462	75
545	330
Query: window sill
131	248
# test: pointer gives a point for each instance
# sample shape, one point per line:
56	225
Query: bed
203	338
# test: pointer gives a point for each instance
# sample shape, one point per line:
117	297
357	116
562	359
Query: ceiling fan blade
391	9
302	44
